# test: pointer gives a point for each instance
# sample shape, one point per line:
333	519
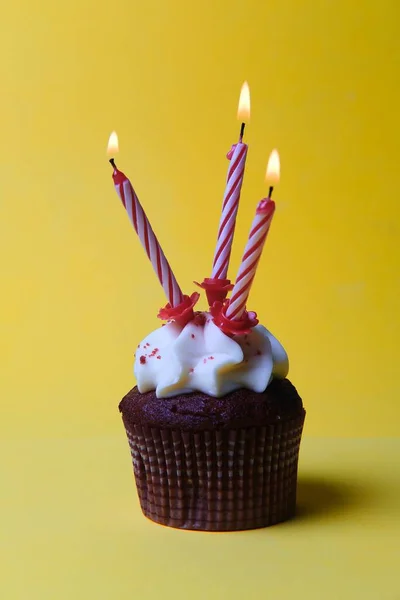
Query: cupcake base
217	480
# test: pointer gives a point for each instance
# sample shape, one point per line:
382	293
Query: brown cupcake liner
220	480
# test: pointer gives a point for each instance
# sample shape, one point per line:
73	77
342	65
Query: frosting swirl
198	356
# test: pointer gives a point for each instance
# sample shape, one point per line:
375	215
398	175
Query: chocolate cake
280	402
216	464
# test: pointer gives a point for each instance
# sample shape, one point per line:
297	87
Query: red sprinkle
211	357
158	357
191	370
193	336
142	360
199	318
204	360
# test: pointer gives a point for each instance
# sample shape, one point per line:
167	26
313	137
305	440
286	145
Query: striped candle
230	207
247	270
147	237
230	204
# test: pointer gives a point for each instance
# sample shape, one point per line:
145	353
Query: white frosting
198	357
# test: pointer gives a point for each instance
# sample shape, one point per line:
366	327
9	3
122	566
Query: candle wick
271	189
243	125
112	162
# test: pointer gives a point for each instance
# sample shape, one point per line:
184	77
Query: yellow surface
77	290
73	529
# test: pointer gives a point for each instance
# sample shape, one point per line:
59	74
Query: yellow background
78	292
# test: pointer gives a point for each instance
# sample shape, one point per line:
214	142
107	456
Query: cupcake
214	427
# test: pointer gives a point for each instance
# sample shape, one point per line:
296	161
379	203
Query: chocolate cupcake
214	427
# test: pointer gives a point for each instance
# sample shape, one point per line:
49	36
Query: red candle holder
216	289
232	327
181	314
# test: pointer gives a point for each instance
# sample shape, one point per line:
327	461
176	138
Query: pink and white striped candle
145	232
230	203
248	267
230	207
255	244
147	237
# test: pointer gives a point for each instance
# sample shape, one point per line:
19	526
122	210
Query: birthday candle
144	230
254	247
230	204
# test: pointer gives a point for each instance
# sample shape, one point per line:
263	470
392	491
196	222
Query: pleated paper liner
221	480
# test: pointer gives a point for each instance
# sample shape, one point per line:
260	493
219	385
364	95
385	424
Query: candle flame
243	113
113	147
273	168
